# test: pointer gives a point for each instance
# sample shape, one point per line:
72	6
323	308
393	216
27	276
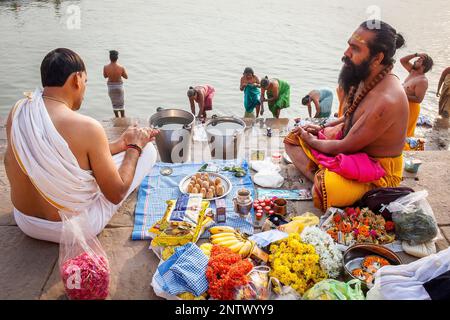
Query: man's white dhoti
46	158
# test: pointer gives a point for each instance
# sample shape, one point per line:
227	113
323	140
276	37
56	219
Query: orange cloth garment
414	110
332	190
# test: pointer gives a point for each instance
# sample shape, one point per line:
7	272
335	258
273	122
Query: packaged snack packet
184	221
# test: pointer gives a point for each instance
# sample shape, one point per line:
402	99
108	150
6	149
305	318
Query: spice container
276	158
258	219
243	202
279	206
221	216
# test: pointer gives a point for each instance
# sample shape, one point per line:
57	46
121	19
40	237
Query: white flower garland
330	255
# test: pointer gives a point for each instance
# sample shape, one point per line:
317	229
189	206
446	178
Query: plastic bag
413	217
298	223
330	289
268	179
263	165
280	292
184	221
258	286
83	263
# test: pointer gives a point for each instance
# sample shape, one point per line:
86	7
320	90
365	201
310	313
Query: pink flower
373	233
350	211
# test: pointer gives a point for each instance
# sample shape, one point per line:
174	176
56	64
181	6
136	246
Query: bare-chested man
58	160
415	85
115	72
373	125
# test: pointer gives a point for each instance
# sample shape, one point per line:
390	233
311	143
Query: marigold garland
226	271
295	263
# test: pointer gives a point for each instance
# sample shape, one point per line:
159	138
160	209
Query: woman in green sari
278	95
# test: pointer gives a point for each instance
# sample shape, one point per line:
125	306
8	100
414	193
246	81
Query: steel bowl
359	251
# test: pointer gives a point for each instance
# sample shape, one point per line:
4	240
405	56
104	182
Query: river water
169	45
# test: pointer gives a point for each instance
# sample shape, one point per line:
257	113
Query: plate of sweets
211	185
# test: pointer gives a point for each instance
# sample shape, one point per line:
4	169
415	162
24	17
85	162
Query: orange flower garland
226	272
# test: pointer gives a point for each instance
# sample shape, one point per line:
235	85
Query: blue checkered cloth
156	189
184	271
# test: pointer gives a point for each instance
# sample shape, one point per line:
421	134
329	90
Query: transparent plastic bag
83	263
331	289
280	292
414	219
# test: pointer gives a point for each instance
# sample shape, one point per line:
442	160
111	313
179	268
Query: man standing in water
370	135
115	72
415	85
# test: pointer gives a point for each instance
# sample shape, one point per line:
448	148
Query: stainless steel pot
224	136
175	139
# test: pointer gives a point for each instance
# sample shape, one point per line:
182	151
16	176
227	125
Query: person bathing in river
203	95
278	95
415	85
250	84
443	92
363	149
323	101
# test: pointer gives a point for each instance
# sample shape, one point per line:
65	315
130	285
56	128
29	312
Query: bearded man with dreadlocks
361	150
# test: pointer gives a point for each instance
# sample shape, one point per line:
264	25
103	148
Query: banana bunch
206	248
232	239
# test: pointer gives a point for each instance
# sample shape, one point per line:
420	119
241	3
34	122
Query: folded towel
184	271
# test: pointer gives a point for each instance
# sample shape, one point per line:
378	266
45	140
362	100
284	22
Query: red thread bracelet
135	147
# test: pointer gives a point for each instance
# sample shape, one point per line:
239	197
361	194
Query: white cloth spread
405	282
52	167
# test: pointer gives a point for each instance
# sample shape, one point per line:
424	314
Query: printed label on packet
187	208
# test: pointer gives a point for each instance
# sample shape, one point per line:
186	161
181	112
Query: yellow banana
223	235
206	248
236	247
219	229
222	240
240	236
229	243
246	249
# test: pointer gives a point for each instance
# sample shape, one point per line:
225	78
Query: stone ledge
132	267
25	264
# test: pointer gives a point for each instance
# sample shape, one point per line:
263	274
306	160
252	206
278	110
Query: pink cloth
358	166
209	95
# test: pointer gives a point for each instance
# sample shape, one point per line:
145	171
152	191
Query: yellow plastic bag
298	223
184	228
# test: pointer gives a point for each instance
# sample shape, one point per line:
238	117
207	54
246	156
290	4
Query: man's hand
138	136
306	136
312	128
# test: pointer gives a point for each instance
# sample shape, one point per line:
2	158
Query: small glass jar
276	158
